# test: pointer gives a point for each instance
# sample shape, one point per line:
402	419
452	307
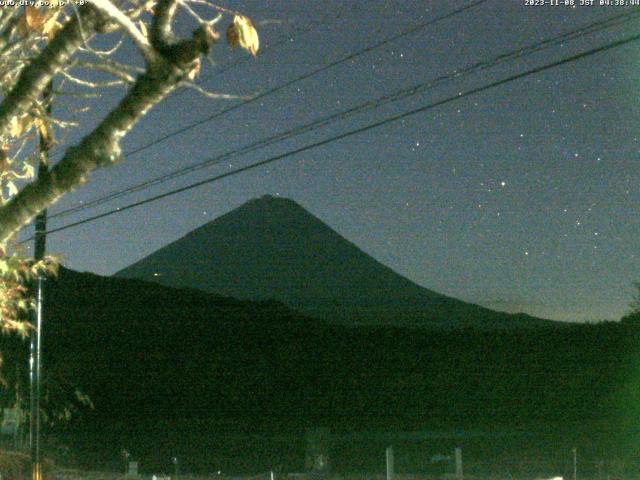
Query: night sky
521	198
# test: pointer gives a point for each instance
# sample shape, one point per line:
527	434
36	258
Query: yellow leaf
194	70
12	188
15	129
19	126
241	32
34	19
51	26
143	29
43	131
38	21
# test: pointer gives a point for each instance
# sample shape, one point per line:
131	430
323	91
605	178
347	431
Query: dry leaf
143	29
51	26
242	32
43	131
38	21
194	70
19	126
12	189
32	20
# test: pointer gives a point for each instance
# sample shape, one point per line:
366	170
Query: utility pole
176	467
35	358
458	458
390	463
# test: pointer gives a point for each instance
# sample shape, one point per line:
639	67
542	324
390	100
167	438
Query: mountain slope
272	248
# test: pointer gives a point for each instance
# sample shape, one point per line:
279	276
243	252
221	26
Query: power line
278	88
356	131
398	95
302	31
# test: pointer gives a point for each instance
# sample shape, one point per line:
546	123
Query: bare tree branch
144	6
214	95
88	84
7	24
84	95
35	77
114	69
106	7
101	147
103	54
161	35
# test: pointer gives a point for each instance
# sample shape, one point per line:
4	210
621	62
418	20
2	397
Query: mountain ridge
271	247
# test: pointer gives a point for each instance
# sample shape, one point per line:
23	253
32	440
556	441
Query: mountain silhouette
272	248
